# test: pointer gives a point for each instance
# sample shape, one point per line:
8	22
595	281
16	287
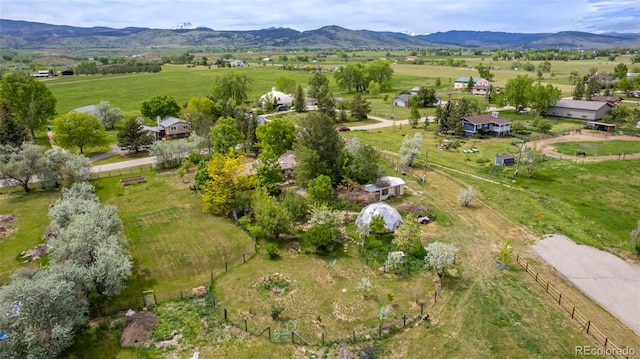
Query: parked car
342	129
524	110
282	107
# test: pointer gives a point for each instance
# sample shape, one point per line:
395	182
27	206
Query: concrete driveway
607	279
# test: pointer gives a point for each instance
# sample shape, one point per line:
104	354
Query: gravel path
604	277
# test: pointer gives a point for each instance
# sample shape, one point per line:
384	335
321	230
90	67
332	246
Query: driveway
604	277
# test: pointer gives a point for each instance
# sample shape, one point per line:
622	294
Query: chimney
495	114
158	120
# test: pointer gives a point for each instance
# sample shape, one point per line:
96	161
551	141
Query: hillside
32	35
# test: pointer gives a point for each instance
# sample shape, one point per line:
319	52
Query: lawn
599	148
174	245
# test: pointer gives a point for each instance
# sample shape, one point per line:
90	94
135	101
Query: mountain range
16	34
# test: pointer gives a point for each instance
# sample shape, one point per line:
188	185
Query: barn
578	109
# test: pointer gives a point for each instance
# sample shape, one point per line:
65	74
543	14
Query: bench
129	180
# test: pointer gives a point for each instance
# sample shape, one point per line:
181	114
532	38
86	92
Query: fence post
269	332
435	296
243	259
323	340
354	335
573	311
518	257
421	309
547	290
606	340
404	320
588	326
211	276
536	277
181	297
559	298
380	331
246	328
226	267
225	313
293	338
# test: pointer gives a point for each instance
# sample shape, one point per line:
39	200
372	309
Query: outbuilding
578	109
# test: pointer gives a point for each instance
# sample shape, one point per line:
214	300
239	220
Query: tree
221	192
272	217
169	154
516	91
381	72
320	190
30	100
424	98
466	195
351	77
322	238
407	237
414	116
593	87
201	114
65	168
160	106
620	71
78	130
41	312
470	84
485	72
295	204
542	97
362	163
440	256
319	89
18	166
377	225
108	114
373	88
286	84
359	108
12	133
318	148
133	136
300	102
410	149
276	137
231	88
225	135
618	115
578	91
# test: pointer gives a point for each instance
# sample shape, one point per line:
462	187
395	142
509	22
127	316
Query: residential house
414	91
277	97
168	127
611	100
463	82
480	90
410	58
578	109
604	79
287	162
237	63
384	188
489	123
402	100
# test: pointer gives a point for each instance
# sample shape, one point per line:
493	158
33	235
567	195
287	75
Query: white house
462	82
280	98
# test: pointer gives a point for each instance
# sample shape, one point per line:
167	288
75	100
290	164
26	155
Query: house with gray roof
384	188
401	100
91	109
168	127
490	123
580	110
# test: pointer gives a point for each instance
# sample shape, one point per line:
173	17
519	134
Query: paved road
607	279
124	164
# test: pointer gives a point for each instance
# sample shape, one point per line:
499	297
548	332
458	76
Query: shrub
276	310
272	250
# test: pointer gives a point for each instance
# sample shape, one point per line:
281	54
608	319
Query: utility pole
520	150
424	177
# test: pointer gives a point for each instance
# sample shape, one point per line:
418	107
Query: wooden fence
585	323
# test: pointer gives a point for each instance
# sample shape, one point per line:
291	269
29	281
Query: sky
410	16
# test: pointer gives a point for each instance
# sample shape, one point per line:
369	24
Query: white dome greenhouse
392	218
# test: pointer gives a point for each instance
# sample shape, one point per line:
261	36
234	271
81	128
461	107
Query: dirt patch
7	224
138	329
175	337
413	208
199	291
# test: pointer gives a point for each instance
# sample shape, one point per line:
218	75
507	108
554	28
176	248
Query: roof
580	104
86	109
170	121
279	96
466	79
287	160
392	218
486	118
404	97
379	185
606	98
152	129
507	157
416	89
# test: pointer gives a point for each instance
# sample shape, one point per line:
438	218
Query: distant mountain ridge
15	34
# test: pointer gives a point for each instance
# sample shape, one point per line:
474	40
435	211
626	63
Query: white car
524	110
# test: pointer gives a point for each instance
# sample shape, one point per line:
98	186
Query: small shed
505	160
600	126
384	188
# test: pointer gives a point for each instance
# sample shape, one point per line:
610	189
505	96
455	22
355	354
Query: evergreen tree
300	101
133	136
12	133
578	91
359	107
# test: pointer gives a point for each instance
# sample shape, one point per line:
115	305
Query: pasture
599	148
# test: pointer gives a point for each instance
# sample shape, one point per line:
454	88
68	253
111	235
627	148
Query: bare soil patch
37	252
138	329
7	224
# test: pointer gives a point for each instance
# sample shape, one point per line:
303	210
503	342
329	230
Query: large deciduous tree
201	114
78	130
272	217
231	87
12	133
351	77
542	97
133	136
320	190
160	106
18	166
225	135
286	84
225	182
362	162
31	102
381	72
276	137
65	168
517	90
108	114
